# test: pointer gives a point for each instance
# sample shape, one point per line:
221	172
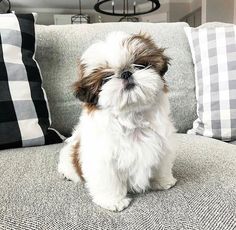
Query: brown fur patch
88	87
90	108
76	161
165	89
147	53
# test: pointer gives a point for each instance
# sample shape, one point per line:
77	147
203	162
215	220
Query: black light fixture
5	6
80	18
128	11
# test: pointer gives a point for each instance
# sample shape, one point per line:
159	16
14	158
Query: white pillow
214	56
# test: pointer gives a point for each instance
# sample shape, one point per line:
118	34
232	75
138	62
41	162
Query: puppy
124	139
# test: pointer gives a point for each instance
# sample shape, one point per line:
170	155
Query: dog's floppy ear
85	89
164	65
85	93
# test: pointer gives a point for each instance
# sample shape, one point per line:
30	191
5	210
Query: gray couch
32	194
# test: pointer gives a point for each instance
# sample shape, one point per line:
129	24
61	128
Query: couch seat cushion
33	196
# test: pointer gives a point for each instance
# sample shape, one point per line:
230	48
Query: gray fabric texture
59	48
33	196
214	24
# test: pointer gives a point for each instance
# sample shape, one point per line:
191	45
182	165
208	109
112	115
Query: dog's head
122	73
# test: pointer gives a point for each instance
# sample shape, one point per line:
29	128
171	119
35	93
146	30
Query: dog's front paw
163	183
113	205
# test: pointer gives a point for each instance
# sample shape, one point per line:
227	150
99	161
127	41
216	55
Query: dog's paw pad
63	177
74	178
115	206
163	183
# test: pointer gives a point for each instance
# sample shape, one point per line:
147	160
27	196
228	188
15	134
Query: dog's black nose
126	75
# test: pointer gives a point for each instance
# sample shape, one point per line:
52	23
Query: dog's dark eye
140	66
106	78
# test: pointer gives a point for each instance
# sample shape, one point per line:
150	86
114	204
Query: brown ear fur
149	53
84	93
87	88
81	87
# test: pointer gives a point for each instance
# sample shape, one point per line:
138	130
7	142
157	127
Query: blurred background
194	12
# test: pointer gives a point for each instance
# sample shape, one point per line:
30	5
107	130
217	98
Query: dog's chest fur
130	145
138	152
134	145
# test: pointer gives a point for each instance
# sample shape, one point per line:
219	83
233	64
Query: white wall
170	10
220	10
204	11
178	11
212	10
195	4
161	15
46	15
234	11
216	10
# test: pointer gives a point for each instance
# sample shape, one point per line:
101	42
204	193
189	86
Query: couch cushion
59	48
33	196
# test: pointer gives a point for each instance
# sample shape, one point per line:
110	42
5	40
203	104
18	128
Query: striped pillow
214	56
24	113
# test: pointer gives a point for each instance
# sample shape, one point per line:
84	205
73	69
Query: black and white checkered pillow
214	56
24	113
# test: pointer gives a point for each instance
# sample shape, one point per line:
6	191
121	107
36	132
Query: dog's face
125	72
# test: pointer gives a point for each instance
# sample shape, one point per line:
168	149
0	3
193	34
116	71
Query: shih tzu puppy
124	139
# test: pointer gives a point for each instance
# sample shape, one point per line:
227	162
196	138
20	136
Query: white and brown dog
124	140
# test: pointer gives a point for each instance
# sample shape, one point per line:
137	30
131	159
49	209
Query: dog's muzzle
127	76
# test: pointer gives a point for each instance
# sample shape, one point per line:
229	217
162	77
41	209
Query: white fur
126	145
65	163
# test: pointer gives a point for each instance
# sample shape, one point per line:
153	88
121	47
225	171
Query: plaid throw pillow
214	56
24	113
